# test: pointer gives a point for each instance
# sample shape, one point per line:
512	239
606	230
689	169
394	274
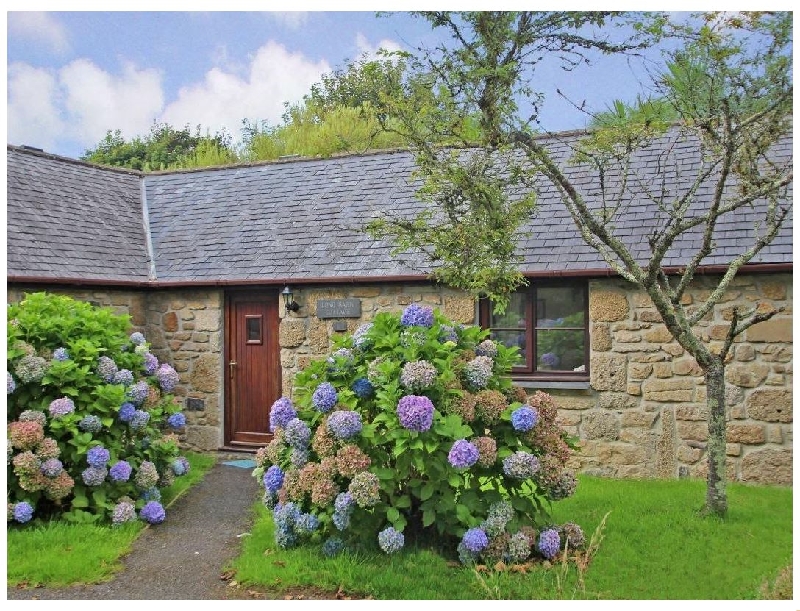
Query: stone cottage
201	259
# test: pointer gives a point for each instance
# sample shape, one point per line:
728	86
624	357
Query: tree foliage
164	148
343	113
728	85
466	93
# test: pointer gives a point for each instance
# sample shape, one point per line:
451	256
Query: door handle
231	365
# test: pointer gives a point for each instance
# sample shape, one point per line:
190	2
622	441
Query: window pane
511	339
560	307
559	350
514	316
253	329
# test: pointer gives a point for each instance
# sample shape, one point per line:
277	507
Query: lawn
60	554
653	545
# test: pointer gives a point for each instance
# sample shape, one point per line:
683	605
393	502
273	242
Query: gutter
756	268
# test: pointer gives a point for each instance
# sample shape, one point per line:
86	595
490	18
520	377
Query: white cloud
42	28
293	20
371	51
32	112
223	99
80	103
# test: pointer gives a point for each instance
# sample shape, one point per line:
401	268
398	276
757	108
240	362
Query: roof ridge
28	150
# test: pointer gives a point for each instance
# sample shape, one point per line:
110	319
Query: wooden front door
252	367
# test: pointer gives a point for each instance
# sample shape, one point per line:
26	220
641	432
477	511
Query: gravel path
183	558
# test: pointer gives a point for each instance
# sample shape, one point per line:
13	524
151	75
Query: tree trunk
716	497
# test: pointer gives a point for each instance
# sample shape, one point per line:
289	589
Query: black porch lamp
290	304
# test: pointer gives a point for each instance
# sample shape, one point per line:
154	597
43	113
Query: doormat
243	464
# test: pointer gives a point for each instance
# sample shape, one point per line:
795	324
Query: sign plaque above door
339	308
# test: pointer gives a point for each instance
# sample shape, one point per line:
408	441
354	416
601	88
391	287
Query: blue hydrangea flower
151	494
137	338
61	407
177	421
94	476
120	471
126	412
324	397
363	388
281	413
344	503
139	420
138	392
147	475
448	334
519	548
30	368
478	371
150	363
415	413
297	433
285	517
340	360
463	454
306	523
299	457
98	456
417	316
180	466
23	512
360	339
524	418
106	368
33	416
486	348
90	424
341	520
167	377
502	511
60	354
521	465
390	540
332	547
344	424
124	377
418	375
11	385
365	489
273	478
475	540
141	349
549	543
52	467
153	513
124	511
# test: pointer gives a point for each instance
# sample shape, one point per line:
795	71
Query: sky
74	75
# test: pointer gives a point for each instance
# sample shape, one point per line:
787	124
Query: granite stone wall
185	329
645	414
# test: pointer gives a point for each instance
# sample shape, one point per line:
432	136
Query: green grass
653	545
59	554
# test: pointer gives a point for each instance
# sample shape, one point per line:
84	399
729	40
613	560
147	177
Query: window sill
554	384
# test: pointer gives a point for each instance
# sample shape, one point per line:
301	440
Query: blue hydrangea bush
91	423
411	431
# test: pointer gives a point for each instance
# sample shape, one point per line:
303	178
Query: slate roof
70	220
299	219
